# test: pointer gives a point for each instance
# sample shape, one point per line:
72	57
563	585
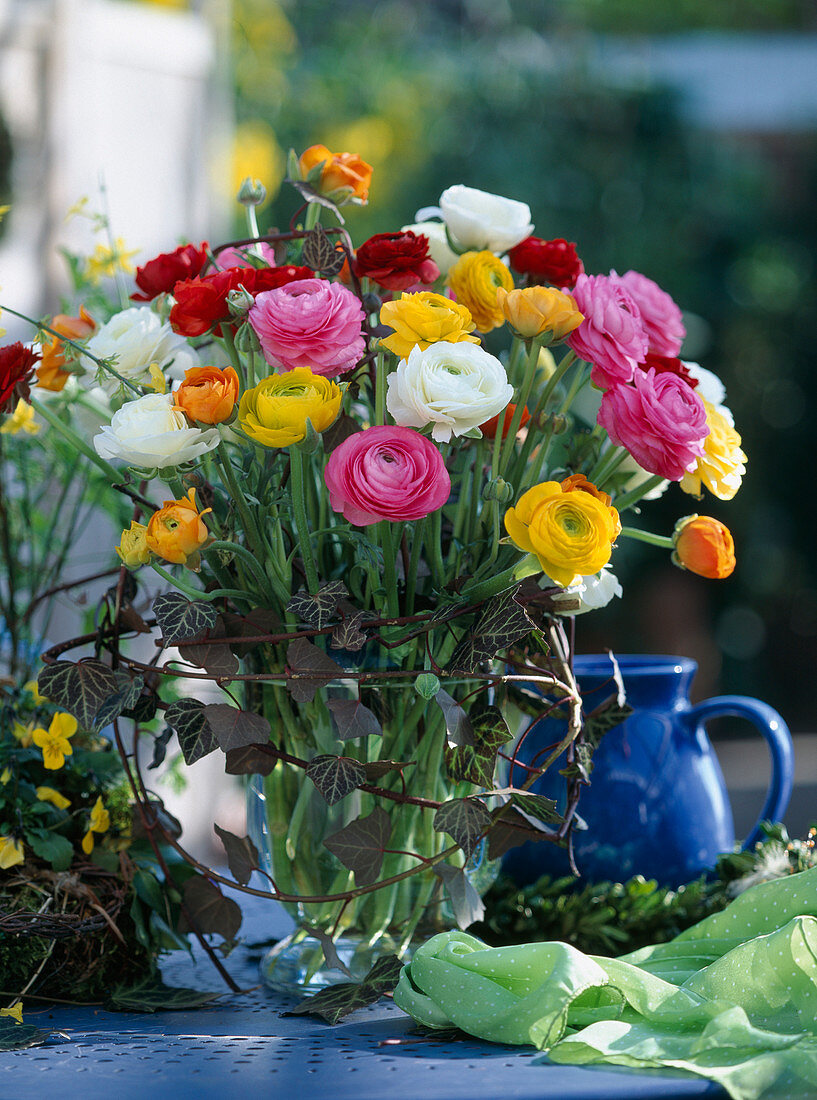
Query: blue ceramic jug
657	803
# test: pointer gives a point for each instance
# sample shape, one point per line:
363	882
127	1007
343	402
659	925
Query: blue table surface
243	1044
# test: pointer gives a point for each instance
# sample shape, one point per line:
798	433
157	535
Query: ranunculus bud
497	489
703	545
208	394
177	532
133	547
539	311
251	192
340	172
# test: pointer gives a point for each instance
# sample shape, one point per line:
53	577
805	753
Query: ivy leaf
353	719
465	901
234	728
130	689
335	776
261	620
501	622
160	744
14	1036
144	709
582	764
504	836
536	808
150	994
304	658
209	908
337	1001
156	808
348	635
603	718
242	855
80	688
344	427
250	760
465	820
319	251
457	723
320	609
309	194
360	845
476	763
218	660
378	768
196	736
181	619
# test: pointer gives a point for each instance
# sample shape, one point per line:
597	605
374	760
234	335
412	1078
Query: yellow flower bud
133	547
538	311
274	413
475	279
420	320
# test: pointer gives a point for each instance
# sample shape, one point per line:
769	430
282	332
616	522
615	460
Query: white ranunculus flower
709	385
594	591
455	387
438	247
479	220
149	432
138	337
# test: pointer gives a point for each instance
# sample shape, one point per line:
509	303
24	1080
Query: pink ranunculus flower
660	315
611	337
237	257
310	323
659	419
386	473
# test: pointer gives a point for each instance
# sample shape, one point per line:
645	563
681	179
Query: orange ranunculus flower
177	532
578	482
50	373
703	545
208	394
539	311
339	170
489	428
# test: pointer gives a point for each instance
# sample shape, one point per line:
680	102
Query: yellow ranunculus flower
133	548
723	463
274	413
48	794
11	852
177	532
100	823
422	319
55	741
21	420
570	532
475	279
539	310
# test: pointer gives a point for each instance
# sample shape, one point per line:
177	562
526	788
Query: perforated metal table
242	1045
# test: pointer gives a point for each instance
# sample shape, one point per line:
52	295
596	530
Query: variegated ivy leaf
196	736
335	776
234	728
353	719
80	688
501	622
242	854
181	619
250	760
457	723
319	609
465	820
130	688
476	762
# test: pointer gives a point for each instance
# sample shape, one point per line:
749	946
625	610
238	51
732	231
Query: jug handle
769	723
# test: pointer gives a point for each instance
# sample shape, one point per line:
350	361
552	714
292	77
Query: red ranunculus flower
396	261
160	275
201	303
665	364
553	262
16	364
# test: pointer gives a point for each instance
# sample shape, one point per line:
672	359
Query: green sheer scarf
733	999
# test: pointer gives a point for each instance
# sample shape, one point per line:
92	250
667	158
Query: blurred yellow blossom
21	420
33	688
107	259
100	823
257	155
23	733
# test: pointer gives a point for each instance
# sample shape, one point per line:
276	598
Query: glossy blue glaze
657	804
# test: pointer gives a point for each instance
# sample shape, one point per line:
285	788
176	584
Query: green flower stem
580	380
476	490
607	465
469	487
535	472
198	593
245	555
232	351
75	440
414	563
435	548
296	467
380	388
389	571
251	530
509	445
626	501
483	590
665	541
312	216
517	348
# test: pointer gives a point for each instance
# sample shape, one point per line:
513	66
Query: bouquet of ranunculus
374	527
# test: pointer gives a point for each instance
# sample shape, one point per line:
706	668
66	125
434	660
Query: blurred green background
711	197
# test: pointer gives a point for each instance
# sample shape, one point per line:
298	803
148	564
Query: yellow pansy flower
108	259
21	420
33	688
48	794
24	734
100	823
55	741
15	1011
11	852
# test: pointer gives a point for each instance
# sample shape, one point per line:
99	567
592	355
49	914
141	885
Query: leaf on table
353	719
160	743
196	736
466	903
501	622
79	688
360	845
457	723
335	776
504	835
250	760
218	660
337	1001
181	619
234	728
14	1036
303	660
150	994
319	609
476	762
209	908
465	820
242	855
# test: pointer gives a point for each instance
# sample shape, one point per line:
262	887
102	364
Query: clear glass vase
288	820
